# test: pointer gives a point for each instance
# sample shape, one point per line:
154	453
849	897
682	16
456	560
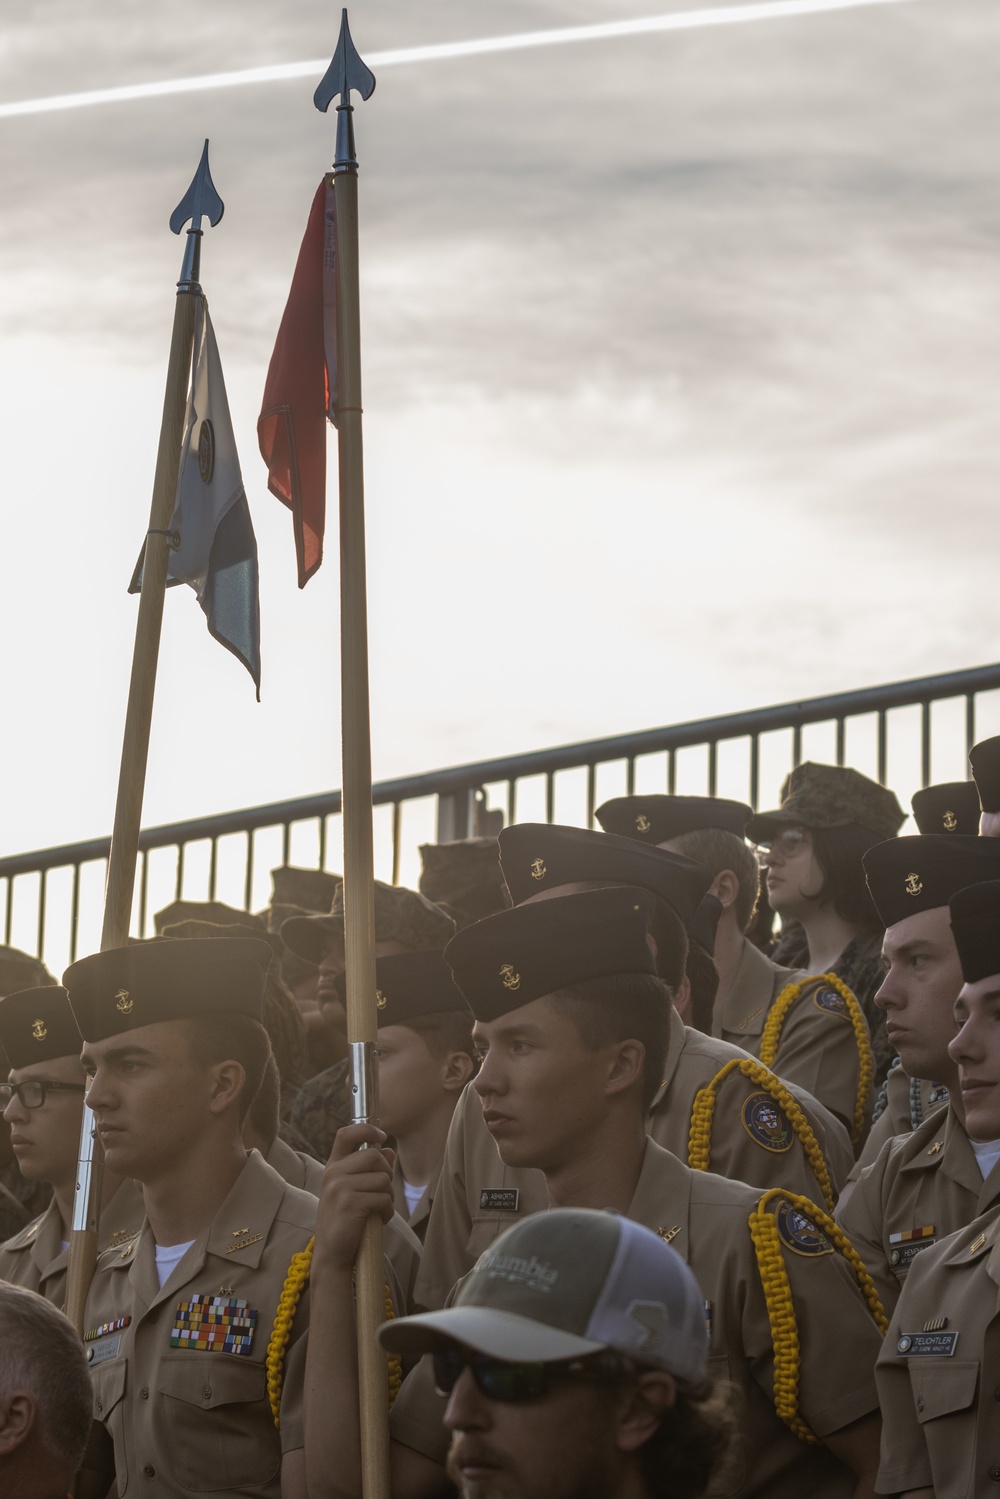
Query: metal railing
856	728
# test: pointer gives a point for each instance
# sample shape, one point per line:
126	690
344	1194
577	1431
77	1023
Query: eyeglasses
31	1095
788	842
498	1379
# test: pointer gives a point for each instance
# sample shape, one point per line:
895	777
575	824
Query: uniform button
144	1393
207	1392
920	1402
995	1473
152	1316
100	1405
149	1470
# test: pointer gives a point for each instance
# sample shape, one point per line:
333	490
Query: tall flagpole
347	72
200	201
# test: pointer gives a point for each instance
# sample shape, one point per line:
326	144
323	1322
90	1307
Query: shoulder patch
766	1123
799	1233
830	1001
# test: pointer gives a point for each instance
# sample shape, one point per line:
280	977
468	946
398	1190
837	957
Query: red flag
301	388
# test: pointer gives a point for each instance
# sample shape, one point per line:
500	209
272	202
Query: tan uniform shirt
186	1418
420	1216
817	1048
705	1219
923	1186
35	1257
939	1371
478	1196
897	1116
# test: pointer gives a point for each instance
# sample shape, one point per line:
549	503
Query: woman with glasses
811	849
43	1105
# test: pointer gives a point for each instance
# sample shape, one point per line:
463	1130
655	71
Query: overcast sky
680	361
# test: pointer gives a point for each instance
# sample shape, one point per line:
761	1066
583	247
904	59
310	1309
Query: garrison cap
126	988
401	915
948	807
567	1283
657	819
513	957
19	970
410	984
984	758
975	923
538	856
37	1025
906	875
831	796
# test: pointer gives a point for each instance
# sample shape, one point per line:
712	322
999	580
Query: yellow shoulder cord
700	1139
288	1305
780	1305
771	1036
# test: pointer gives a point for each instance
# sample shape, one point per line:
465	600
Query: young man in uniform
815	1044
44	1111
404	922
574	1024
747	1131
927	1184
575	1364
180	1317
939	1370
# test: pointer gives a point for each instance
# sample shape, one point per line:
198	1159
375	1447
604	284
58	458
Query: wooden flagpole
201	200
347	72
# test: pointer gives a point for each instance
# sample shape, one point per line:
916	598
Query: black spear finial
200	201
346	72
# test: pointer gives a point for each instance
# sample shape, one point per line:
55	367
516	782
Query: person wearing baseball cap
575	1360
479	1195
43	1105
925	1184
943	1332
572	1019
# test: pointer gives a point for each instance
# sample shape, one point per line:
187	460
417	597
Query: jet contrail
682	20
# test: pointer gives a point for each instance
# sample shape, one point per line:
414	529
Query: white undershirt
168	1257
987	1154
412	1195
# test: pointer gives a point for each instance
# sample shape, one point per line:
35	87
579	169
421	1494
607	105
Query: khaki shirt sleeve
882	1130
445	1257
862	1220
403	1252
416	1418
740	1154
818	1050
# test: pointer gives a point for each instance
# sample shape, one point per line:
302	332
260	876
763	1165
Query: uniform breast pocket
218	1422
944	1402
486	1231
734	1477
109	1381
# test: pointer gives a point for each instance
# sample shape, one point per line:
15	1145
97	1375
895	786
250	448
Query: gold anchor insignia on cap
643	823
950	822
913	884
380	1000
538	869
123	1002
511	980
39	1030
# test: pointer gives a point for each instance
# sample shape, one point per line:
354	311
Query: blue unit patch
767	1124
799	1233
830	1000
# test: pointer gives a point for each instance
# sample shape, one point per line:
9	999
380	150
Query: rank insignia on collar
766	1124
752	1016
799	1233
977	1243
214	1324
668	1234
244	1243
938	1145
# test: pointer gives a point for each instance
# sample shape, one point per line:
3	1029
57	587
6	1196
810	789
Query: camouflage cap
19	970
401	916
309	889
216	912
831	796
949	807
984	758
208	931
463	875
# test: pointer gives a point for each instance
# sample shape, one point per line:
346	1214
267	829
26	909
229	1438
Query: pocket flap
109	1386
208	1380
940	1387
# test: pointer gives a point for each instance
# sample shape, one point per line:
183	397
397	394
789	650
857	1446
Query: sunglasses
31	1095
499	1379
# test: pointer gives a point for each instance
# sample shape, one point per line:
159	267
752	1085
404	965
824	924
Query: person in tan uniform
939	1370
573	1022
751	1126
44	1108
812	1042
926	1184
180	1317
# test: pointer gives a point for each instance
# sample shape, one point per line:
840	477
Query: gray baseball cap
566	1283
